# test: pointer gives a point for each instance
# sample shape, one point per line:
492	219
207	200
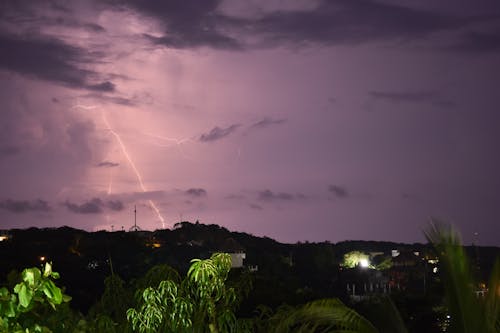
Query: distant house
235	250
237	259
405	259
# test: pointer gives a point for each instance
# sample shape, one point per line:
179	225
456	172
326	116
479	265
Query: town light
364	263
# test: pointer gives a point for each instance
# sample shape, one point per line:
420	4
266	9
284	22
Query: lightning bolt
132	165
127	157
110	181
174	142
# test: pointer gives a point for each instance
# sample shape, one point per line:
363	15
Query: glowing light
364	263
132	165
42	258
2	238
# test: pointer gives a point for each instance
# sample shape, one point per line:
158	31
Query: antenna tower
135	227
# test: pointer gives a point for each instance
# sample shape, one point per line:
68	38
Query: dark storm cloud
115	205
189	23
195	39
93	206
24	206
201	23
354	21
338	191
49	59
196	192
218	133
9	151
266	122
103	87
71	23
430	97
108	164
268	195
479	42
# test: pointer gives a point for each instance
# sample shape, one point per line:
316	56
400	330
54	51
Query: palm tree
469	313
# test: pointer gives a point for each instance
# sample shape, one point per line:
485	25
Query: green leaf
25	295
52	292
31	276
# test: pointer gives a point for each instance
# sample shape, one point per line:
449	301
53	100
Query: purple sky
298	120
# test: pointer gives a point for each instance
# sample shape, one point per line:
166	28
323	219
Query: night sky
298	120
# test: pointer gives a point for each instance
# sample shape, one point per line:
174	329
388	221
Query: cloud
196	192
255	206
107	164
266	122
268	195
338	191
9	150
478	42
93	206
218	133
115	205
48	59
352	22
429	97
112	99
235	197
104	87
24	206
186	24
191	24
190	39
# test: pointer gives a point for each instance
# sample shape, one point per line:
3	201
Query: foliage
382	262
200	303
115	300
469	313
20	310
352	259
325	315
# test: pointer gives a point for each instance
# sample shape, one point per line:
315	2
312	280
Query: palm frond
468	312
326	315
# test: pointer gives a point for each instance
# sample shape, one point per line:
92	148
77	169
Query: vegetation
202	302
468	311
213	298
23	309
356	258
